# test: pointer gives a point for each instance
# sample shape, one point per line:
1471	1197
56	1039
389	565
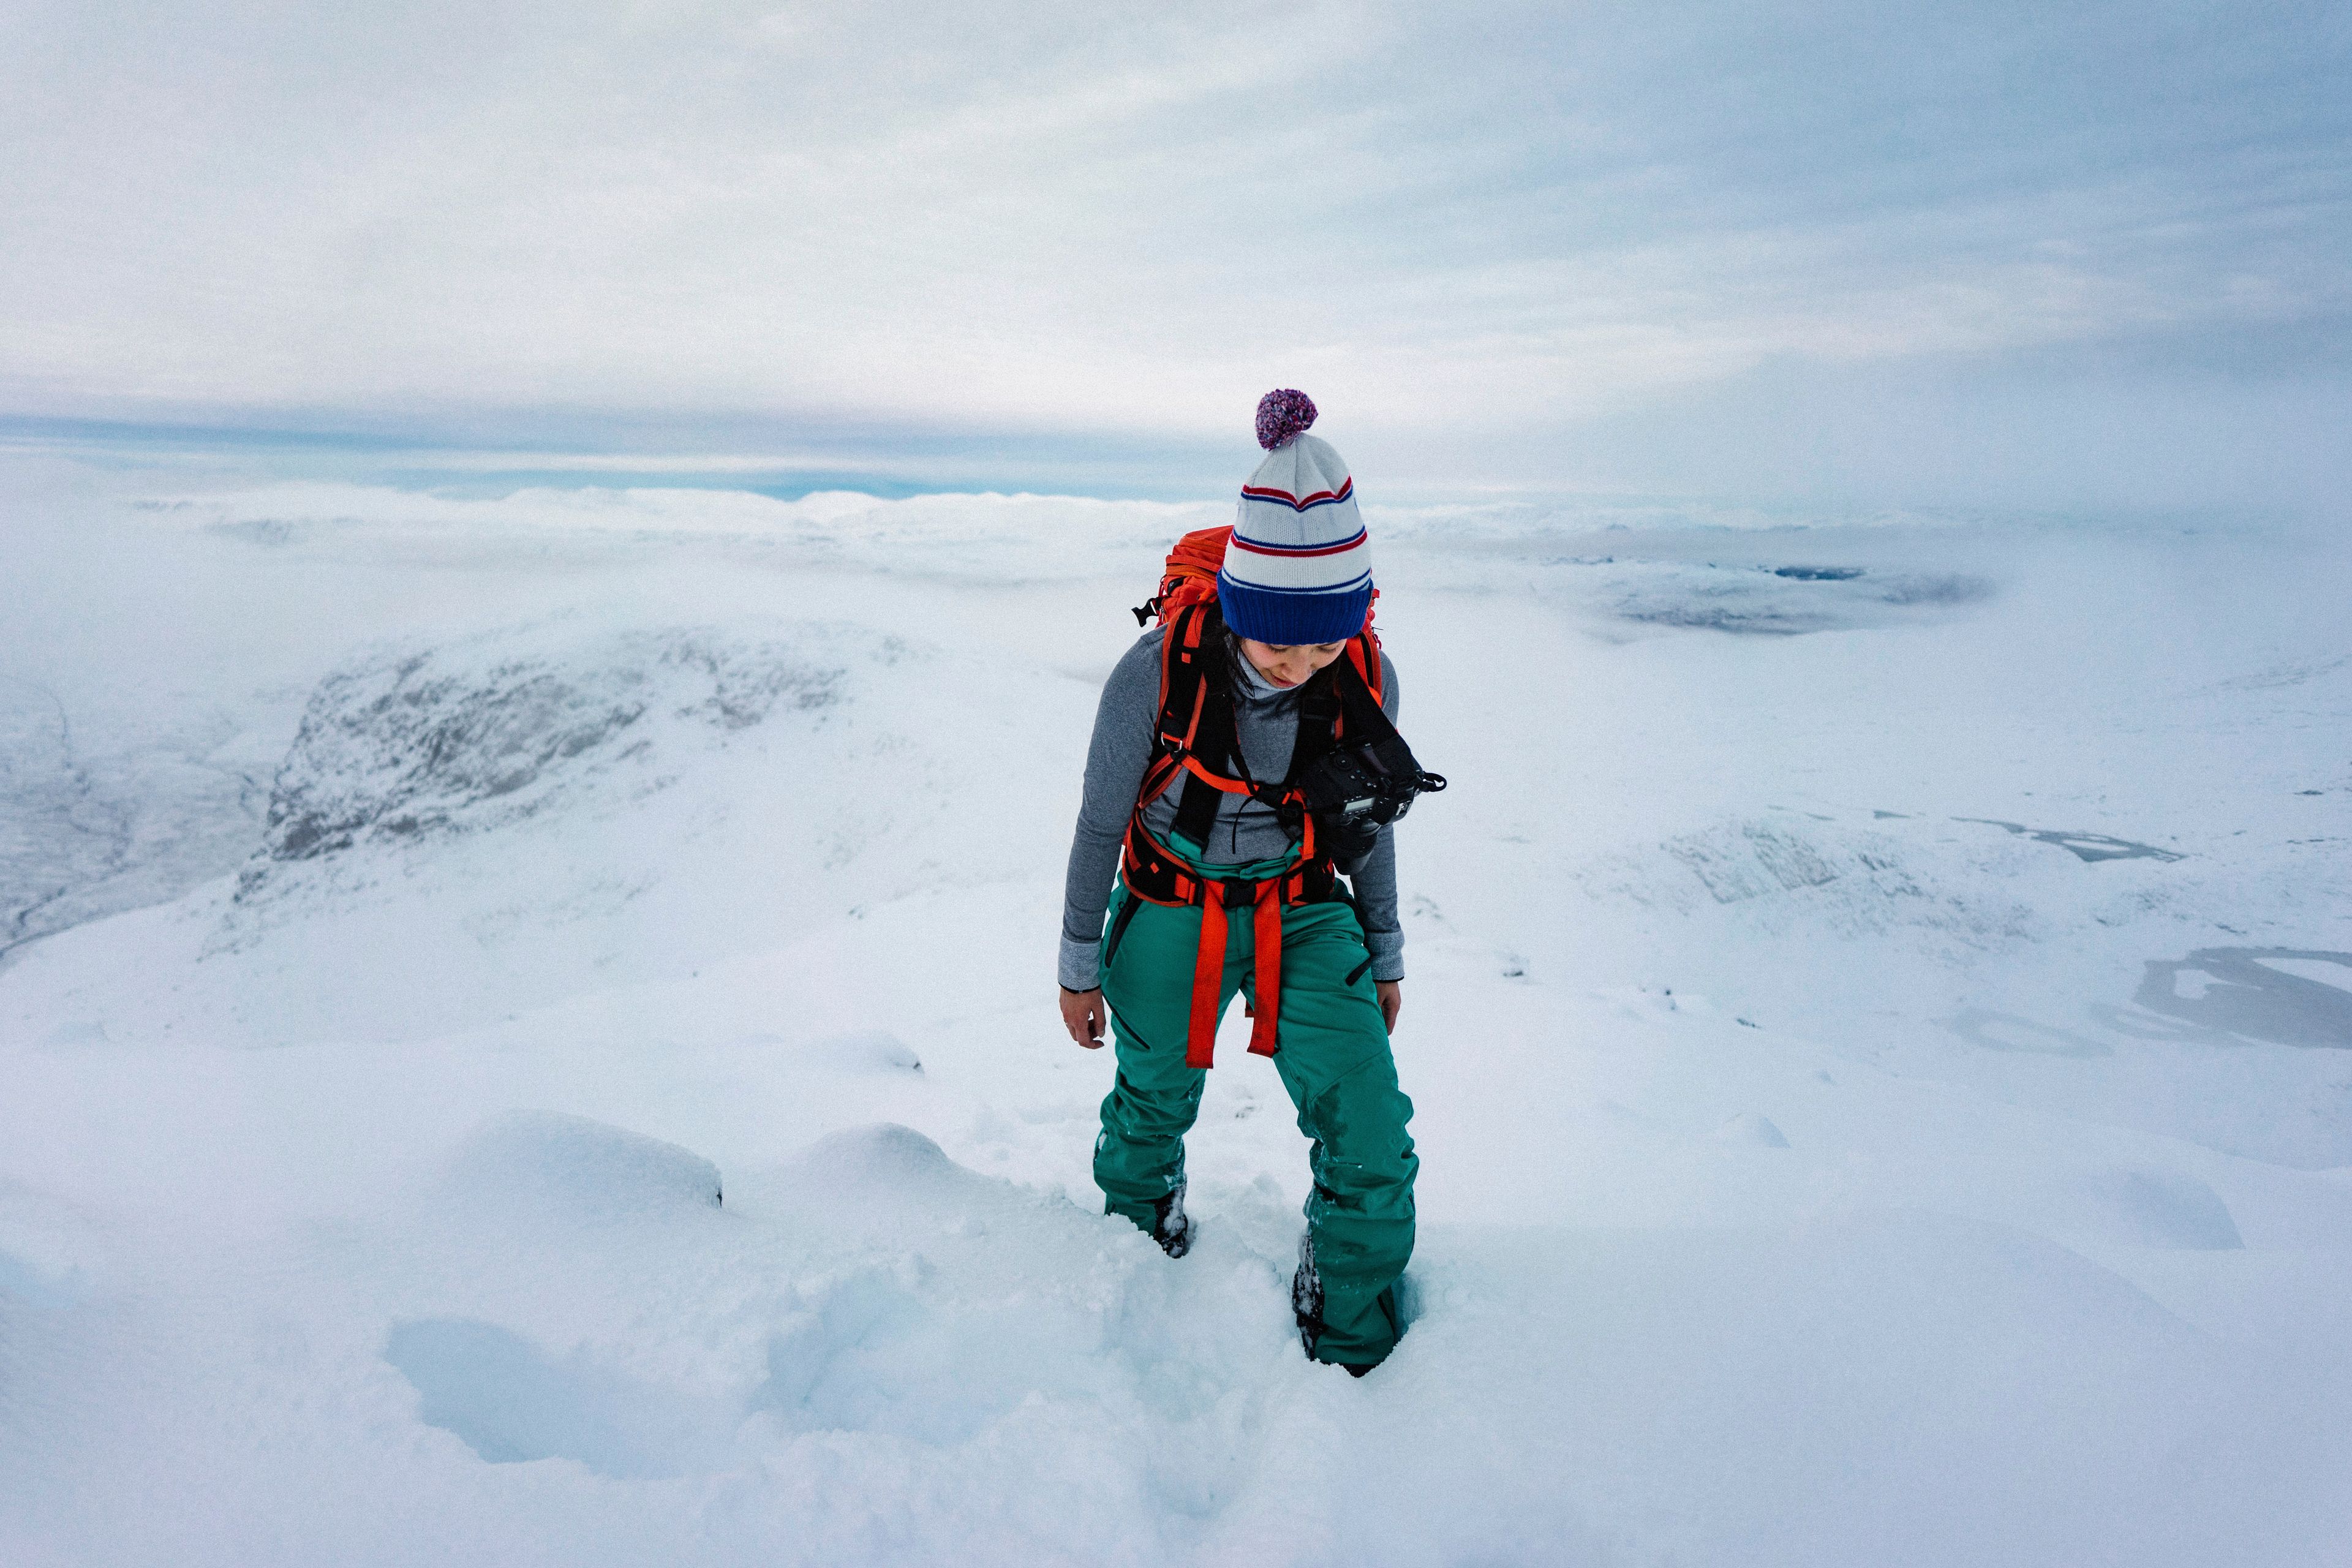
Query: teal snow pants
1332	1053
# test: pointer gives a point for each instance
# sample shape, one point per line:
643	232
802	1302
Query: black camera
1355	790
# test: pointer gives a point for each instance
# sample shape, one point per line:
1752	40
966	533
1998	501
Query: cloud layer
1473	228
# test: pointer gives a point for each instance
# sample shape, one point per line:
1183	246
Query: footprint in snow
2162	1208
511	1401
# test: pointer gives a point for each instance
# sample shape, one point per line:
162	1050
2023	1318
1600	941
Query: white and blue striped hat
1299	569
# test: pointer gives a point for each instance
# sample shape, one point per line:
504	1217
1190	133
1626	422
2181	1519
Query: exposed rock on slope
485	733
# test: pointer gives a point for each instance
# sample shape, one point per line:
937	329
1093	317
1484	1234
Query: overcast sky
2016	253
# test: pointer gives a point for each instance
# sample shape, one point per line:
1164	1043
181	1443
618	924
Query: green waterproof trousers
1332	1053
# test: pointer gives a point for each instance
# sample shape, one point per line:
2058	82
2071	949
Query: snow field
1817	1166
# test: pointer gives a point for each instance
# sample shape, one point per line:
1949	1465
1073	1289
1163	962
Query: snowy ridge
469	737
593	1095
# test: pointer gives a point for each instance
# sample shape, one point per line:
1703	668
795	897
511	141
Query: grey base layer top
1266	718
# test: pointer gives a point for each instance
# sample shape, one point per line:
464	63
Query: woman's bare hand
1083	1015
1392	998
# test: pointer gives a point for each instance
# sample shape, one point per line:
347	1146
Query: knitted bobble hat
1299	569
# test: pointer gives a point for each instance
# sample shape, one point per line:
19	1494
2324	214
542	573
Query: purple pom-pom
1282	416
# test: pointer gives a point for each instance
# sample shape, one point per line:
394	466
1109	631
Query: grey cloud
1122	220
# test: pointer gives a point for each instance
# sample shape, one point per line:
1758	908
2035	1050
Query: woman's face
1290	665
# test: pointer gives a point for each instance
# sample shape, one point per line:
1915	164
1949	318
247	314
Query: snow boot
1307	1306
1170	1227
1306	1298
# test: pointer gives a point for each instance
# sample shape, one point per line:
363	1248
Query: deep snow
1879	1009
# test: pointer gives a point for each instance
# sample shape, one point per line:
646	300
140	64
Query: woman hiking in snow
1245	758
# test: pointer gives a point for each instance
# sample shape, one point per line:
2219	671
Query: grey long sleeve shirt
1266	720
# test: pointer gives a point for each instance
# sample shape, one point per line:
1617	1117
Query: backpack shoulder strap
1356	682
1364	653
1188	650
1189	720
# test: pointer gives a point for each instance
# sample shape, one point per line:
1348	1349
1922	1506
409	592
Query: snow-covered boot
1170	1227
1306	1298
1306	1305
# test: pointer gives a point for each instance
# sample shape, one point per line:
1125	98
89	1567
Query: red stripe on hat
1297	552
1267	492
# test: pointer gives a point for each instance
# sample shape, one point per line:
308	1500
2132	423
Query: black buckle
1238	894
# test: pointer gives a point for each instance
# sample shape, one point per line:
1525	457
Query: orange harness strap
1269	940
1208	975
1209	967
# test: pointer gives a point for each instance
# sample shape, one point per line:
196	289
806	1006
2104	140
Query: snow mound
885	1157
858	1053
568	1164
1751	1129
